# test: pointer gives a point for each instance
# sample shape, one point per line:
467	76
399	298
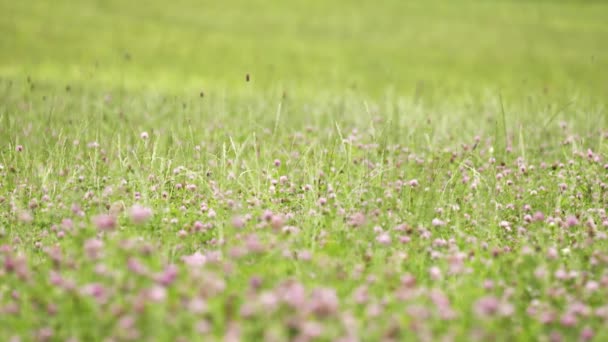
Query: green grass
444	125
311	46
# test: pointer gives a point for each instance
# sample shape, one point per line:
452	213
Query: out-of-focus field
311	45
303	171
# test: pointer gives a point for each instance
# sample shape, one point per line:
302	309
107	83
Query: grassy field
303	171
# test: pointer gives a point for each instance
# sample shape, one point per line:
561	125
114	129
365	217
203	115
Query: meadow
303	171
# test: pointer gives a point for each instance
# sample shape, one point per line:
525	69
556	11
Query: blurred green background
310	46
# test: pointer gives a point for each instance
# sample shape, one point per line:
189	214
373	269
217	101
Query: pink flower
268	300
506	309
538	216
26	217
238	222
77	210
198	226
105	222
44	334
324	301
203	327
136	267
552	253
540	272
157	293
144	135
277	221
304	255
95	290
197	305
67	224
195	260
404	239
311	329
384	239
592	286
437	222
568	320
168	276
435	273
140	214
571	221
253	244
561	274
294	295
267	215
440	300
587	334
126	322
408	280
19	148
487	306
93	248
361	294
357	220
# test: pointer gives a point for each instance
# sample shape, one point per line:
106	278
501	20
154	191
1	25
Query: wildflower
168	276
277	221
324	301
25	217
267	215
238	222
552	253
67	224
198	226
568	320
253	244
384	239
587	333
269	301
357	220
571	221
136	267
437	222
93	247
157	293
311	330
538	216
105	222
95	290
487	306
195	260
304	255
361	294
197	305
435	273
294	295
139	214
592	286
